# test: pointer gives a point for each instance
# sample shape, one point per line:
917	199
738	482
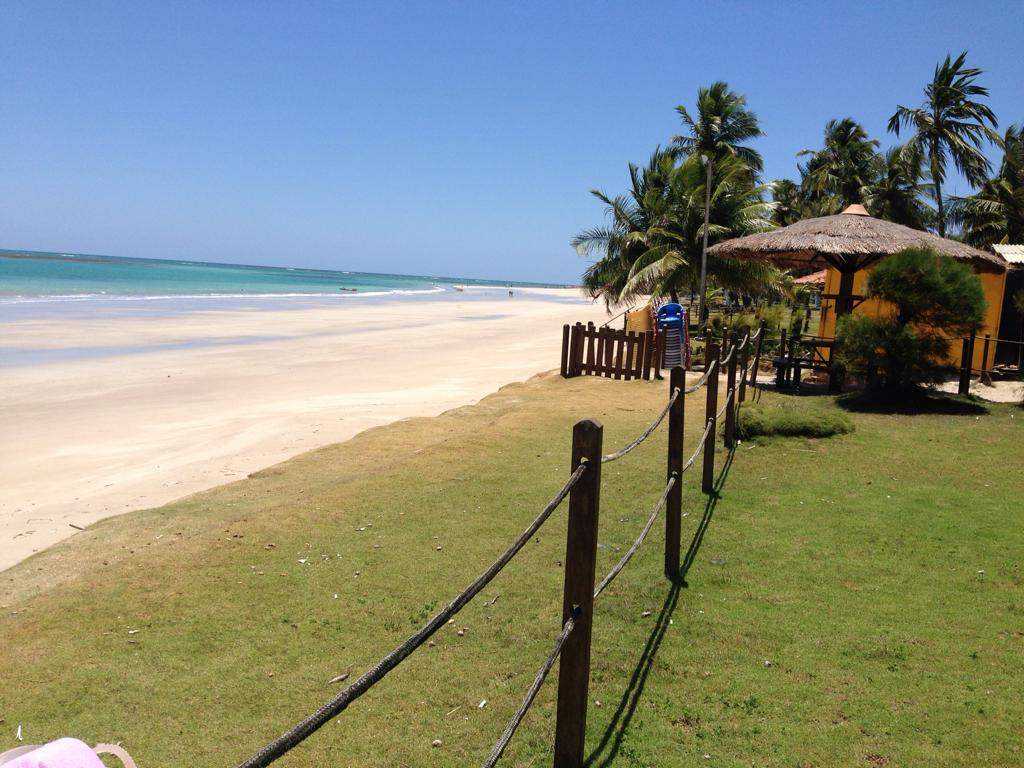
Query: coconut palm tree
638	223
899	191
733	206
950	125
718	129
654	238
789	202
995	214
839	174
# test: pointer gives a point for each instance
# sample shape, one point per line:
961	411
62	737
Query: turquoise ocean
54	278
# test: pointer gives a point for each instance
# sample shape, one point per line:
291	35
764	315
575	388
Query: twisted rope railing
700	446
703	379
725	406
339	703
645	434
617	568
499	747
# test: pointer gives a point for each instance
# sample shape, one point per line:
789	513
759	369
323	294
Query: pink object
62	753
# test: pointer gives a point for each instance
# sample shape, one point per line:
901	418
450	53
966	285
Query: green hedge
784	421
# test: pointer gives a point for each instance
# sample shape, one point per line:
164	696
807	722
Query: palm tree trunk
703	314
938	192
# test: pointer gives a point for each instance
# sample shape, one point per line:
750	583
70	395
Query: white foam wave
82	297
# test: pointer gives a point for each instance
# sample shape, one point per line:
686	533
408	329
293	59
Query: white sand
997	392
87	439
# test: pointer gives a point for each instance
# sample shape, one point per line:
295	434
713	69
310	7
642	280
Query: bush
786	421
933	298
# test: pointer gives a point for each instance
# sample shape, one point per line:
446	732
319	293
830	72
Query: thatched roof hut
813	279
848	241
850	238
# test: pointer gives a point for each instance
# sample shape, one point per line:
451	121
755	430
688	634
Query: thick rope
639	539
699	448
339	703
703	379
725	360
646	433
721	410
531	694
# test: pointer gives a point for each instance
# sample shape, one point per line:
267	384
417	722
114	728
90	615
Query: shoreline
179	403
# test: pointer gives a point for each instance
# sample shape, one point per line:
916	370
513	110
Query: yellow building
848	245
993	281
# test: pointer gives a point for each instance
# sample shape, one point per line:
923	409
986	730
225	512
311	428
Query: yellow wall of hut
993	283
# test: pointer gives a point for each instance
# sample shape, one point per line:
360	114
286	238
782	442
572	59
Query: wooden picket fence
609	352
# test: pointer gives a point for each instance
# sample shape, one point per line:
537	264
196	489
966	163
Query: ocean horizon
28	277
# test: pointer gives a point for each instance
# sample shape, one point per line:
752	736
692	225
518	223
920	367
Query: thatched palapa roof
849	240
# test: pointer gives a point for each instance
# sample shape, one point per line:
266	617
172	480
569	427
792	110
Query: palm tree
655	235
719	128
789	203
949	125
899	192
996	213
839	174
736	206
638	224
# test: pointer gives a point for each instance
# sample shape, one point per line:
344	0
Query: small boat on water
348	290
459	288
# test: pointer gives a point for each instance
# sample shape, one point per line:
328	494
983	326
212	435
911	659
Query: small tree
933	300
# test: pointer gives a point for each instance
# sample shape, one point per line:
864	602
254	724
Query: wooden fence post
985	375
674	502
757	352
711	409
744	361
565	351
578	596
707	347
730	400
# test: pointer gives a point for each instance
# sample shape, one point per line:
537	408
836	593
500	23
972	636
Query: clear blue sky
437	138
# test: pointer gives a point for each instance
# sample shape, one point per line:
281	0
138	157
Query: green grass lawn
856	600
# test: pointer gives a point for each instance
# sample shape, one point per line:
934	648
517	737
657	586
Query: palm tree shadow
611	740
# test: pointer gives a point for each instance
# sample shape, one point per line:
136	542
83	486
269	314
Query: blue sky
432	138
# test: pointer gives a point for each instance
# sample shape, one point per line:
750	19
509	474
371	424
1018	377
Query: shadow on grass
611	740
916	403
607	750
705	521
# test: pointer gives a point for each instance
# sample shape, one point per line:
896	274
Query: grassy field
856	600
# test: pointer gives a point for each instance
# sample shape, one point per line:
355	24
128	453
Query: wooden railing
614	354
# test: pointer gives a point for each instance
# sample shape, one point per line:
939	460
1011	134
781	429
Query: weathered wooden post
744	361
757	352
674	502
730	400
565	351
711	410
707	347
985	376
578	596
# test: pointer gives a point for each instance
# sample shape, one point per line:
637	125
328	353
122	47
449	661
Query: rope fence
582	488
643	435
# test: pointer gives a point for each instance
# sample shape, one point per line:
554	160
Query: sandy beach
120	413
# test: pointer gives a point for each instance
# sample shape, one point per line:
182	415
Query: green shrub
933	297
786	421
